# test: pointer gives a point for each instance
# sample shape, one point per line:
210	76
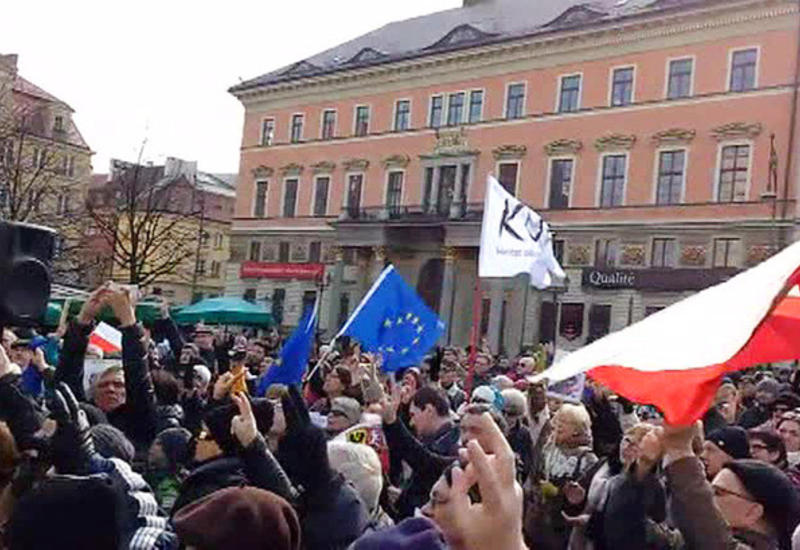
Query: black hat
774	491
732	440
219	418
112	443
788	399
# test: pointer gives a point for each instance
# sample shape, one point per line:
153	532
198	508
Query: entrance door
447	186
429	285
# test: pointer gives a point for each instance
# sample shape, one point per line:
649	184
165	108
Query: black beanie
112	443
175	443
732	440
67	513
775	492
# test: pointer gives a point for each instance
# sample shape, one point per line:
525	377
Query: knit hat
68	513
241	517
774	491
347	407
409	534
175	444
732	440
112	443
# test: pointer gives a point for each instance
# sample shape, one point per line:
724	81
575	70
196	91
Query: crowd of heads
176	444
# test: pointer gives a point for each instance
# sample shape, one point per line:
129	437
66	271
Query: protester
723	446
345	413
766	392
788	428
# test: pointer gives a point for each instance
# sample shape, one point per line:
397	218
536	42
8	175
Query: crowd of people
176	444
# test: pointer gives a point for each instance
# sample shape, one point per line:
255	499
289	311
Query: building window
733	172
547	322
560	180
354	184
349	256
402	113
612	186
437	108
255	251
297	128
362	120
218	241
321	186
204	236
249	295
671	167
507	176
599	321
571	324
680	78
289	198
664	253
344	309
569	99
475	106
260	208
515	101
201	268
71	167
743	70
283	252
605	253
309	299
558	250
622	87
455	109
394	193
62	204
328	124
315	252
278	298
215	265
726	252
268	132
58	124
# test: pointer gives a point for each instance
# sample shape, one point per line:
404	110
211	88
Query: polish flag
106	338
676	358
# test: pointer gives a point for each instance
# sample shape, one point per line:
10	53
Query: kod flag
515	239
676	358
394	321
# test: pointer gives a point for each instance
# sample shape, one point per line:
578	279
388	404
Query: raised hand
224	383
390	403
243	425
72	444
496	521
93	305
122	303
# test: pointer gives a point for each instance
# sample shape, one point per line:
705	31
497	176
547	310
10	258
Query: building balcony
425	214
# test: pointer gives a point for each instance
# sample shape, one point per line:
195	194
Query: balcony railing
412	213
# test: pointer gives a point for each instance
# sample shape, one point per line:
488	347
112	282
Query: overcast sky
160	69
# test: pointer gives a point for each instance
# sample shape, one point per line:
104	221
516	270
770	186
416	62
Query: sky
156	73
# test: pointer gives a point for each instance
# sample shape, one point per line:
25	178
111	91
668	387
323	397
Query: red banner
265	270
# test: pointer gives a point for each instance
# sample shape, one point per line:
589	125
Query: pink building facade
657	138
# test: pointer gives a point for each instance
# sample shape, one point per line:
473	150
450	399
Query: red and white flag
106	338
676	358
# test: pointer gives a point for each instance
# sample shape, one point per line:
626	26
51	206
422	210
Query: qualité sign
655	279
268	270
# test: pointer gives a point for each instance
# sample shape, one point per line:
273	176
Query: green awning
224	311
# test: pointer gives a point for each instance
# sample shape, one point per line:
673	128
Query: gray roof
484	22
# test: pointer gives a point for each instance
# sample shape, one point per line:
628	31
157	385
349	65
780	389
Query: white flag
515	239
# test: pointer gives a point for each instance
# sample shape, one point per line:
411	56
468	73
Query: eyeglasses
722	492
758	447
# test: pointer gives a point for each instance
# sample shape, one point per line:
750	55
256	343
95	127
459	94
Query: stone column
335	292
448	289
455	204
379	254
495	314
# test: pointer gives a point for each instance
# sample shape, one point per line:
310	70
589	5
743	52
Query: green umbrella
52	315
146	312
224	311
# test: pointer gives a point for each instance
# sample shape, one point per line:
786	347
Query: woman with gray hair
515	411
361	467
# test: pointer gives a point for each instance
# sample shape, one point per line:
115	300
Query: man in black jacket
124	394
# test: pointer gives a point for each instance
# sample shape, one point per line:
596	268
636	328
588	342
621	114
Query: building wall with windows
657	139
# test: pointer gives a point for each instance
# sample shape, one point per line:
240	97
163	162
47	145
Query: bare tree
148	221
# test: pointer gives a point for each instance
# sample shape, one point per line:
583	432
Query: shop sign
269	270
654	279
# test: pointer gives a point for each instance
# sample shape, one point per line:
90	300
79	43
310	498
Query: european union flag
294	355
394	321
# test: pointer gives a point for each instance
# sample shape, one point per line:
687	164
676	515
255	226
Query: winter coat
23	416
333	517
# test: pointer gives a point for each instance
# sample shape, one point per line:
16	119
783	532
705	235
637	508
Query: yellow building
45	167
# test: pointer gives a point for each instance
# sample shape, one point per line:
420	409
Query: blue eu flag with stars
394	321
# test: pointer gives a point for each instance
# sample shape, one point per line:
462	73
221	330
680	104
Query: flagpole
473	340
524	313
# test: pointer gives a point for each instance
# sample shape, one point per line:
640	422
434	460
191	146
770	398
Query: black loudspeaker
26	253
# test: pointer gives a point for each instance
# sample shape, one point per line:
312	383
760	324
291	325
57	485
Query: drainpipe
792	131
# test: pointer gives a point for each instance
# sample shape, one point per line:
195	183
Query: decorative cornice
673	136
262	172
396	161
323	167
450	254
563	147
615	142
292	169
736	130
355	164
451	141
504	152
